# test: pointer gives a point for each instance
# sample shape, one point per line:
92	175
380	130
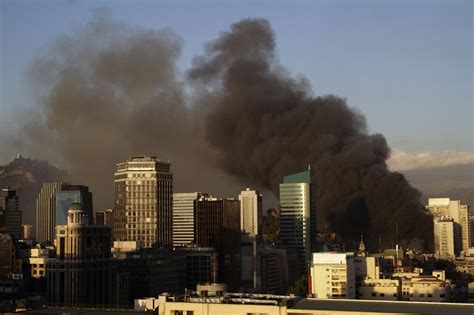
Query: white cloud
401	160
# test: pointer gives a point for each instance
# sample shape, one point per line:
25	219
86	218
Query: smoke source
111	91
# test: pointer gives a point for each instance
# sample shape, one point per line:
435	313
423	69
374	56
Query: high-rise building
444	237
82	272
332	276
298	219
217	224
68	195
453	209
184	205
144	201
251	219
46	212
10	214
465	224
251	211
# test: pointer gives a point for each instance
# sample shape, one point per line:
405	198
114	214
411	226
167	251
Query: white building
444	238
183	217
332	276
251	211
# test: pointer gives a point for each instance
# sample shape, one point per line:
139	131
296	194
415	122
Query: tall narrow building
298	219
144	201
10	214
217	224
184	205
251	218
251	212
443	229
46	212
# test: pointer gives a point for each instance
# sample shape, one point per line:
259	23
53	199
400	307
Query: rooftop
383	306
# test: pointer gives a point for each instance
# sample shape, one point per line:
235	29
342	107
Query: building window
430	295
374	294
422	295
382	294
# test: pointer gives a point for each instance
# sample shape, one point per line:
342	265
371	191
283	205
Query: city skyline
238	157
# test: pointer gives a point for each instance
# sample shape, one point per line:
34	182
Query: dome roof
75	206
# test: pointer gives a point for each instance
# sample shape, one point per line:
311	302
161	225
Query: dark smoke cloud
110	91
266	124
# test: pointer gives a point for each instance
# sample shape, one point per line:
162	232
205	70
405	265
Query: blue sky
406	65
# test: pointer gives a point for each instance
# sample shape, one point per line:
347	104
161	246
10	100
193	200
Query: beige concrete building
144	201
251	211
332	276
444	238
380	289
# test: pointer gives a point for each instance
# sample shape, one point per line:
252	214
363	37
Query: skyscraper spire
361	246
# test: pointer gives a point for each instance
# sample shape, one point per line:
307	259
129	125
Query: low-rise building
332	276
380	289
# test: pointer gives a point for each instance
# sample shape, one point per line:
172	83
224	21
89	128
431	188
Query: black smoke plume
110	91
266	124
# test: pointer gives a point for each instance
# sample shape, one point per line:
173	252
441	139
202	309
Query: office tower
465	228
27	230
251	211
332	276
444	237
144	201
70	194
298	219
183	217
447	208
10	214
217	224
82	271
46	212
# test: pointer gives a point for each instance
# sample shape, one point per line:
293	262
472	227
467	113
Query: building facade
444	238
184	205
10	214
332	276
144	201
459	213
217	224
251	211
201	265
68	195
298	219
46	212
82	272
